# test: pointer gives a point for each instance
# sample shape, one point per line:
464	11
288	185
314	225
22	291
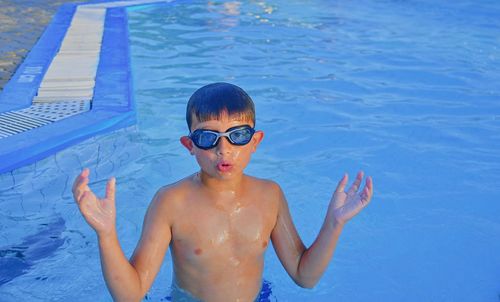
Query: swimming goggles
207	139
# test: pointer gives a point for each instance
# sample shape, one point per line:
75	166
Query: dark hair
213	100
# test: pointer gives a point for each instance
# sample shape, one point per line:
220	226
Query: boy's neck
232	185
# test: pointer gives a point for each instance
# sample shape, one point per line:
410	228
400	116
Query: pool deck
21	24
74	83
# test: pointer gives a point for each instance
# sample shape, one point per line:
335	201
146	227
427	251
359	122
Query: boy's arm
126	281
130	280
306	265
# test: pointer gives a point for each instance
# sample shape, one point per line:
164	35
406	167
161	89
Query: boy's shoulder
169	199
175	191
267	185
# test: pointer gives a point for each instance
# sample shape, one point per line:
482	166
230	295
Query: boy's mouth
224	166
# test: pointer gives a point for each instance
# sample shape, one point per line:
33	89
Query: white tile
52	99
66	91
69	84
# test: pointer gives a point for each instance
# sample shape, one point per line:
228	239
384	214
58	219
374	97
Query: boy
217	222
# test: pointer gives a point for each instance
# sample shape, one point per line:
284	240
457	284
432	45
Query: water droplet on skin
222	237
234	261
237	210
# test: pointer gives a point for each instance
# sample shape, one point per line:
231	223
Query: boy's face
225	160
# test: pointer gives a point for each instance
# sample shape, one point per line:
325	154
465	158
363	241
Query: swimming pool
406	91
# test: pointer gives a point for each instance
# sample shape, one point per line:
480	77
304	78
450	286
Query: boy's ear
187	143
257	138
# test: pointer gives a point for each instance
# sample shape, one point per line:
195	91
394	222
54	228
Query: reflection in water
230	12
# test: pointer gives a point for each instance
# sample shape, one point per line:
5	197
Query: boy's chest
205	230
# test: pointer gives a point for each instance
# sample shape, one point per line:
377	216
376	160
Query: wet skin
218	224
219	239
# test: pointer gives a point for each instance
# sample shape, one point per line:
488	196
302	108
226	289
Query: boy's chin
225	175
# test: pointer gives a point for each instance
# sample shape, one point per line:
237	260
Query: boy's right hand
100	213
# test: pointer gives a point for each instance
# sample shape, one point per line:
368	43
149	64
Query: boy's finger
355	185
81	188
110	189
84	174
369	184
77	181
367	193
365	197
342	183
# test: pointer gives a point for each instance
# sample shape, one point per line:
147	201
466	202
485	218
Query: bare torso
219	239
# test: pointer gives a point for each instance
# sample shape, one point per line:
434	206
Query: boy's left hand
346	204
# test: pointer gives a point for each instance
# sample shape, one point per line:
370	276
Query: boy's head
214	100
221	121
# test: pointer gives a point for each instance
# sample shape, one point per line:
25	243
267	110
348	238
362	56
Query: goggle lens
241	136
205	139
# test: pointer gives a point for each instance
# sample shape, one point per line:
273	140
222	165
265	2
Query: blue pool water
405	90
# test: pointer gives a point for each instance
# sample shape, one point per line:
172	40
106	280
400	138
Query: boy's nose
224	146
